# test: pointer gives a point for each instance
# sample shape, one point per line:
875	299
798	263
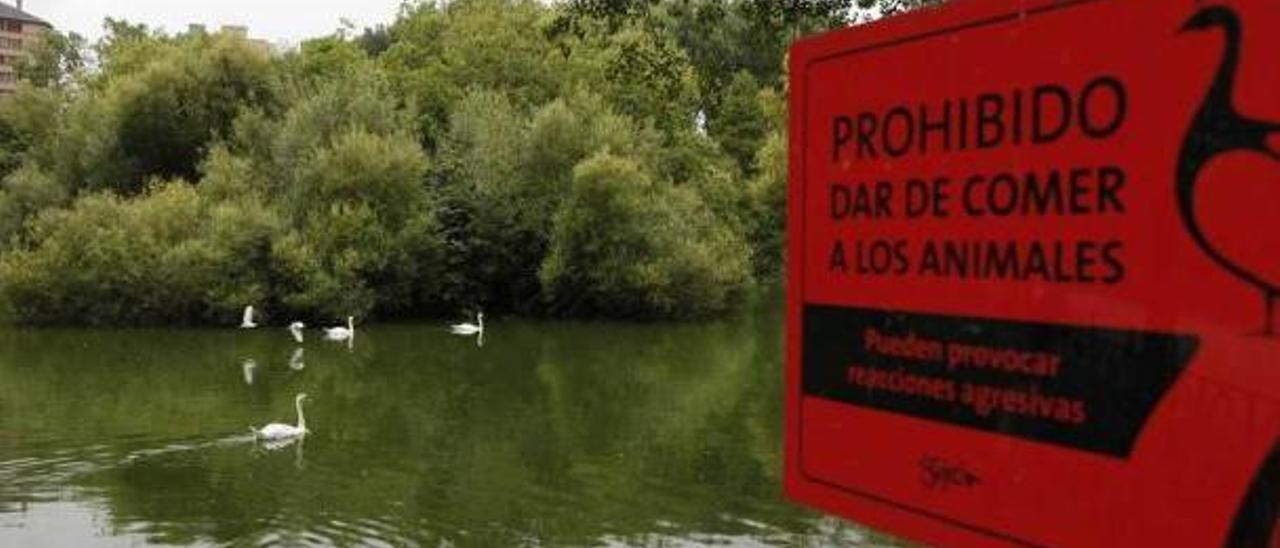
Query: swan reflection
295	361
246	368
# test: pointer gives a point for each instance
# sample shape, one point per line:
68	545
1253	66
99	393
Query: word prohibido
1040	115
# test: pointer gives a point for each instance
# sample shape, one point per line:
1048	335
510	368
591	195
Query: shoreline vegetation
578	159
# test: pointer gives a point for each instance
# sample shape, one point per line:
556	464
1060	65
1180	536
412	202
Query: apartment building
19	31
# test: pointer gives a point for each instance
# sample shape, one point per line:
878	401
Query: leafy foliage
57	60
511	155
740	125
624	244
168	256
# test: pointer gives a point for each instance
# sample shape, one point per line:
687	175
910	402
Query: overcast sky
272	20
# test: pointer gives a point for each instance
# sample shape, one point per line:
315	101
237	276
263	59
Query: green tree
321	60
167	256
438	53
577	16
157	119
375	40
740	124
124	48
29	118
23	194
624	245
486	224
360	99
366	236
347	173
647	76
510	154
57	60
567	131
173	108
768	195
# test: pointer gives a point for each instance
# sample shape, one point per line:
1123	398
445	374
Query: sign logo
941	474
1218	129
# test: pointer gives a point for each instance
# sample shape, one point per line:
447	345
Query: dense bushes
25	126
365	233
186	96
503	176
23	194
167	256
158	119
623	244
465	162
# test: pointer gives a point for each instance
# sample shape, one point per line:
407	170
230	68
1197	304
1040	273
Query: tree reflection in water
551	433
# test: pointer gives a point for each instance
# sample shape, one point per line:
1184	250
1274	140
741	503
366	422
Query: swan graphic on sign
1219	130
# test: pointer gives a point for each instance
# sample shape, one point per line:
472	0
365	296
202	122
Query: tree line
617	158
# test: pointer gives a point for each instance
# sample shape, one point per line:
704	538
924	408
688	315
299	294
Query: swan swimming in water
247	322
295	329
277	431
341	333
468	329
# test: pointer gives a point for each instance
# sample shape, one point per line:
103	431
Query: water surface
552	433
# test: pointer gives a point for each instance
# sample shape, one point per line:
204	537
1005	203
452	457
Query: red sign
1034	256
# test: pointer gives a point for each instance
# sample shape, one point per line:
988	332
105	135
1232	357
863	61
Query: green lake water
551	433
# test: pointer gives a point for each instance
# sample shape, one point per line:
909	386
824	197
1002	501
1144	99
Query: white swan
295	361
341	333
247	322
247	367
295	329
469	328
277	431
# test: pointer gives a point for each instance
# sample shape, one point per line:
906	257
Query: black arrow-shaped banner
1082	387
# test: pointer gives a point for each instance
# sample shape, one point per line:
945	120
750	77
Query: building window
7	78
10	25
10	43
